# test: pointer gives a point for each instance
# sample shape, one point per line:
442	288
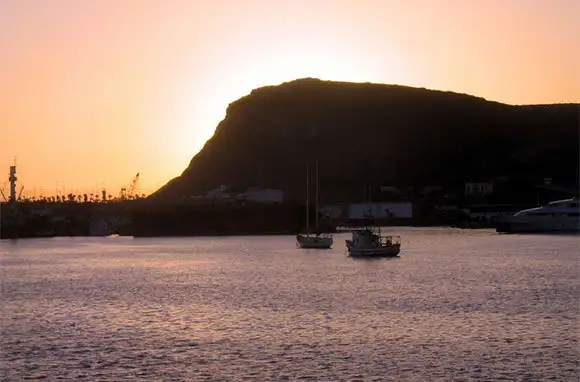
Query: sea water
456	305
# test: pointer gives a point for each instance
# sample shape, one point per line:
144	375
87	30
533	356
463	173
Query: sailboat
369	242
309	240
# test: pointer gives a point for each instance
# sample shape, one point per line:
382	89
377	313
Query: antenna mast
13	180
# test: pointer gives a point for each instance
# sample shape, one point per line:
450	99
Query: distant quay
147	218
220	220
20	220
143	218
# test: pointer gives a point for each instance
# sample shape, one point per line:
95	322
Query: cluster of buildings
471	200
377	210
253	194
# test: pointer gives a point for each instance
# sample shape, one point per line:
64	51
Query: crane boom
130	191
134	185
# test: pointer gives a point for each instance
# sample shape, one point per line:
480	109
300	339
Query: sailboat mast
370	204
307	201
317	195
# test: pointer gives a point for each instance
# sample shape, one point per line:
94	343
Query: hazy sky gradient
92	92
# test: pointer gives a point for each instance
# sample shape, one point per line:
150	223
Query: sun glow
201	106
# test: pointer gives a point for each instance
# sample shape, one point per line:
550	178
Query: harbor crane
130	192
7	199
2	193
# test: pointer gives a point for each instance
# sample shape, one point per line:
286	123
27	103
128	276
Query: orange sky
92	92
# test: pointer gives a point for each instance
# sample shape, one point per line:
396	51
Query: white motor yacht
556	216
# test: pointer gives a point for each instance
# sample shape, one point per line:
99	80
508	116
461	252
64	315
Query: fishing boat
316	240
369	242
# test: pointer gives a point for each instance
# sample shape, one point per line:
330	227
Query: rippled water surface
457	305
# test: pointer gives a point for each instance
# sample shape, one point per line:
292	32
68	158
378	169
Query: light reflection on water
455	305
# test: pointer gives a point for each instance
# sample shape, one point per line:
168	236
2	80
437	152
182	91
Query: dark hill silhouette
378	134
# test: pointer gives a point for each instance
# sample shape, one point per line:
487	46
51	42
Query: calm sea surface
457	305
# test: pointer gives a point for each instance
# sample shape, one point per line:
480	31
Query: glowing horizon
94	92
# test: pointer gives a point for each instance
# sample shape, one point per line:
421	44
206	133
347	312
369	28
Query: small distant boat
98	226
369	242
309	240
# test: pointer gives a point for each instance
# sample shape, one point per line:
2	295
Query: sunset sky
94	91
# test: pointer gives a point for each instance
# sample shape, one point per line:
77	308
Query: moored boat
309	240
317	241
370	243
556	216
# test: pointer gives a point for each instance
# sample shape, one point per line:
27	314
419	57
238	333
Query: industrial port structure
130	192
88	214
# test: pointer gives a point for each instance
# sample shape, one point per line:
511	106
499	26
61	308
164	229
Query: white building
253	194
331	212
380	210
218	193
478	188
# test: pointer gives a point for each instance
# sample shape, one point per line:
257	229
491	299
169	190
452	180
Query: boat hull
384	251
314	242
536	225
